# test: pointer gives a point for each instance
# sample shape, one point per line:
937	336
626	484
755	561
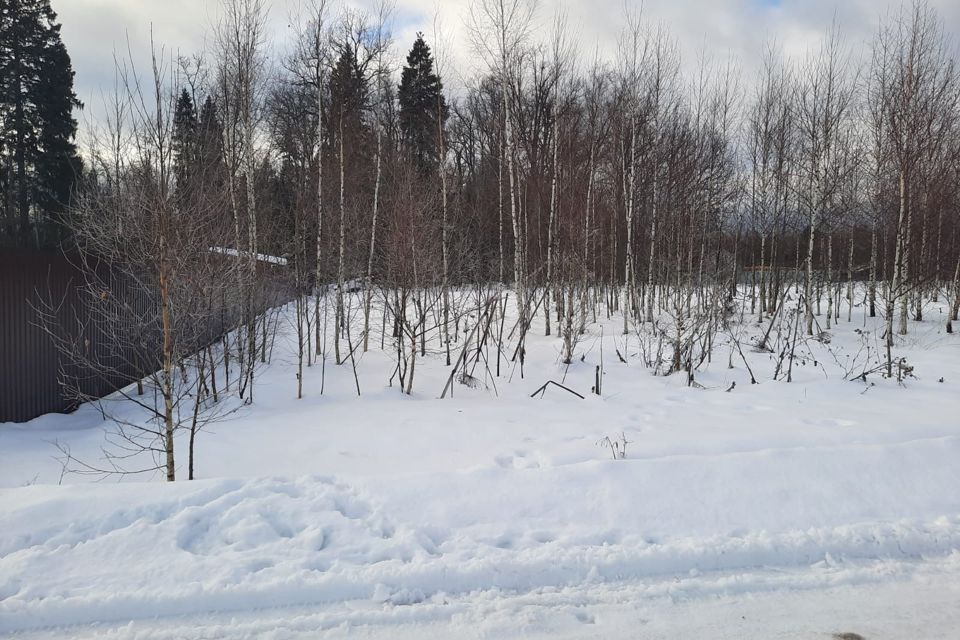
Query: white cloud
94	29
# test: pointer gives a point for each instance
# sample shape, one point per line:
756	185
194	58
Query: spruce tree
185	142
423	109
210	144
38	158
348	117
349	98
210	133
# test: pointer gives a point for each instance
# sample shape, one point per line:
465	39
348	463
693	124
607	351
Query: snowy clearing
772	510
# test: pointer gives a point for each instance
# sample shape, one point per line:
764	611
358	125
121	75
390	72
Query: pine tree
423	109
38	158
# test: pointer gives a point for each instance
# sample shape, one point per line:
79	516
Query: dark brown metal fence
68	334
40	293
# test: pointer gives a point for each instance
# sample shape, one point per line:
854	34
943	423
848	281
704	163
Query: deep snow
772	510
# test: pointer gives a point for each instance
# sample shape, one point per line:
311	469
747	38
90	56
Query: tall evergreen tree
348	120
185	142
210	132
38	157
423	109
349	98
210	144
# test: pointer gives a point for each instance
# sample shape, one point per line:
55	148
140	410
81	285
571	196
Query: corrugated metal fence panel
32	367
29	360
121	346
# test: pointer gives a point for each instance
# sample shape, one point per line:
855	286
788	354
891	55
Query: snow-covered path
884	600
774	510
432	548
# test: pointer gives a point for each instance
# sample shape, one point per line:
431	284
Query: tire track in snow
266	543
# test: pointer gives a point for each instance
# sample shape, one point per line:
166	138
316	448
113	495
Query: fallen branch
543	389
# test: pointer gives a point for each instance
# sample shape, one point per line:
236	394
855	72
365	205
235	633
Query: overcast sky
95	29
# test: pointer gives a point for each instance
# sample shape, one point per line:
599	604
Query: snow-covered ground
773	510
